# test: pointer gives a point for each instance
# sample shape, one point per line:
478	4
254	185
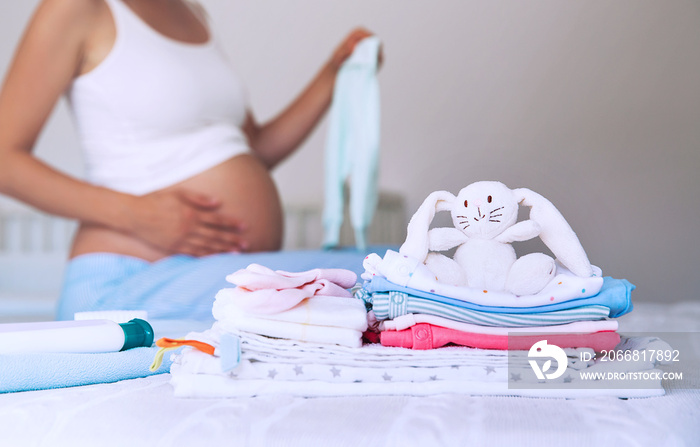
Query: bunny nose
477	202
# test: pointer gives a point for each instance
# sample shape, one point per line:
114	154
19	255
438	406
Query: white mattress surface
144	412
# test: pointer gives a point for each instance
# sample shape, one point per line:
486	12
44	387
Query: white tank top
156	111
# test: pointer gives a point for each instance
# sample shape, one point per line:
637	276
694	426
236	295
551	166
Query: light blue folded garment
390	305
28	372
615	295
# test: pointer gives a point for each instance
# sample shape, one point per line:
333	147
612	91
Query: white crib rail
29	232
304	229
33	252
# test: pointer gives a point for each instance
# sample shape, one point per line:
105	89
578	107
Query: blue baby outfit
352	147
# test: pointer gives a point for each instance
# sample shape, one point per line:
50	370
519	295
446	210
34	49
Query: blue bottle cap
137	333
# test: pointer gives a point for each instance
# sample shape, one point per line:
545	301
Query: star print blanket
277	366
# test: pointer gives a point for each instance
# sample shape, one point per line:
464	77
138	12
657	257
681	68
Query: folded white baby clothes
408	272
328	311
321	319
344	327
213	386
306	369
294	331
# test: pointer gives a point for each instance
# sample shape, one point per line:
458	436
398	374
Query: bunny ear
416	245
556	232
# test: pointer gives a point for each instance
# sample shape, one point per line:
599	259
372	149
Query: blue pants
177	287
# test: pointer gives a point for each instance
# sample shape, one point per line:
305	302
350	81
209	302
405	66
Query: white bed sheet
144	412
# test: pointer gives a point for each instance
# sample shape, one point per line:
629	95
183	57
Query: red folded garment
428	336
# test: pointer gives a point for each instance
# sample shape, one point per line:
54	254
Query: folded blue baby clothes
390	305
615	295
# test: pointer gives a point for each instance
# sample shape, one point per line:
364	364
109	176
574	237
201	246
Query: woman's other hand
184	222
275	140
347	46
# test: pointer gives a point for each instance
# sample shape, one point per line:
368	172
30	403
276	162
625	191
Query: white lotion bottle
86	336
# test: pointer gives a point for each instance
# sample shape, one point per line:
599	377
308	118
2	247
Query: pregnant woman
177	167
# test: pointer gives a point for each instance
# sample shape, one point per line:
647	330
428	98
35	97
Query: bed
144	411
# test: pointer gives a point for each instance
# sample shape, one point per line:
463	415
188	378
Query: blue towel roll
28	372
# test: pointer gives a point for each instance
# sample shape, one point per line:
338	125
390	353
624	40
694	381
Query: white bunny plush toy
484	215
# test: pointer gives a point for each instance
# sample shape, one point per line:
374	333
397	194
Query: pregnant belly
247	192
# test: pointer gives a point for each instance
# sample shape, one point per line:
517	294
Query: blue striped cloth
390	305
177	287
615	295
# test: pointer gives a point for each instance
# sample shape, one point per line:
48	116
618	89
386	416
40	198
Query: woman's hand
184	222
347	46
276	139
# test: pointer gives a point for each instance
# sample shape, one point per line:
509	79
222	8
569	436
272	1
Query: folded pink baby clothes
256	276
264	291
427	336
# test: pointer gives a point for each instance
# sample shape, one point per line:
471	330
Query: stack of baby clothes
410	308
413	310
301	333
311	306
289	341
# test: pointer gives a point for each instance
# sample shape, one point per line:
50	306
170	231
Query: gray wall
594	104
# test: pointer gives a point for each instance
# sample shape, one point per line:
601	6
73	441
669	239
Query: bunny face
484	209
